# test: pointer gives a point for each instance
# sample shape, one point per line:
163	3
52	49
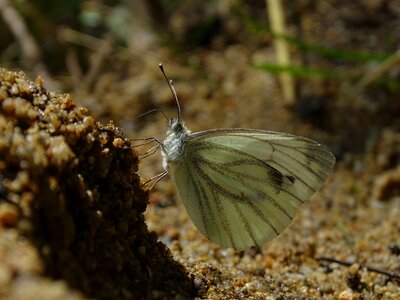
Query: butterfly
242	187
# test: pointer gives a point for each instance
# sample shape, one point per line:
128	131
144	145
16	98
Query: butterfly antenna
171	87
151	111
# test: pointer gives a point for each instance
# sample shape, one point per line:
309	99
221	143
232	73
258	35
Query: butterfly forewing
242	187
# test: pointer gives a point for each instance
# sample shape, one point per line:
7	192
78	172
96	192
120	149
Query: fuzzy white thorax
174	143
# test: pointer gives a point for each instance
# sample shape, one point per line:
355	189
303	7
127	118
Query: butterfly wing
242	187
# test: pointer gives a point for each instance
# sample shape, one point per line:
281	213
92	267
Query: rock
69	190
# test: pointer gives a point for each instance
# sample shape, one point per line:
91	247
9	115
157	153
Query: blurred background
325	69
331	67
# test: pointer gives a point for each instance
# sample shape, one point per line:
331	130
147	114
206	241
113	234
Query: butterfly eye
178	127
175	126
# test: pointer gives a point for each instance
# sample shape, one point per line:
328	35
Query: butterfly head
175	125
177	134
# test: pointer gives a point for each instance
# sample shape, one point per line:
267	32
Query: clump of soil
71	206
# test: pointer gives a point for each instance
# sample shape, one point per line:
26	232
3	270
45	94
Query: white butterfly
242	187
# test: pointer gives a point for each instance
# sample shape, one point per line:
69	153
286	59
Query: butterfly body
173	145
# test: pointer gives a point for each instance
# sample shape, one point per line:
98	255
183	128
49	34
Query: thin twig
30	50
31	53
97	62
391	275
73	66
377	72
82	39
277	21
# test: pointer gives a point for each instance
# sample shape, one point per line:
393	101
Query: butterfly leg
156	179
146	141
149	152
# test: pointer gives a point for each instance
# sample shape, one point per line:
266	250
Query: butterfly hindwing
242	187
